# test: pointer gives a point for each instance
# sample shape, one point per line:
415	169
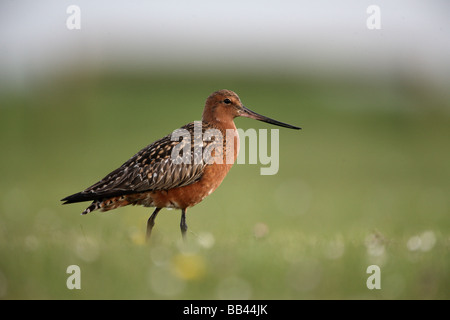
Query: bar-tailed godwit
154	177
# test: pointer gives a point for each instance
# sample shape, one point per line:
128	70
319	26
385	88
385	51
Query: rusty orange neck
230	138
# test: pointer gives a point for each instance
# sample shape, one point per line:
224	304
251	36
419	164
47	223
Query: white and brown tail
94	206
117	202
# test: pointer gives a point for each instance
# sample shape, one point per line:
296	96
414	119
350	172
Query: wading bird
159	177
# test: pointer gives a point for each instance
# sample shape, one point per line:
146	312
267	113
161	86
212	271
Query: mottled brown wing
152	168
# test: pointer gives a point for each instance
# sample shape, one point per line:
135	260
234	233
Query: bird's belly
188	196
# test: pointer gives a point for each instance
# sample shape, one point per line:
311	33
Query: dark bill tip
253	115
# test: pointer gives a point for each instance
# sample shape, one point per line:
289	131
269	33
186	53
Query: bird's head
224	105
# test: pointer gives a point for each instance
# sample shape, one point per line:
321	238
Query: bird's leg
151	222
183	225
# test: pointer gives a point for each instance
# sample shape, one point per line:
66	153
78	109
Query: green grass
365	182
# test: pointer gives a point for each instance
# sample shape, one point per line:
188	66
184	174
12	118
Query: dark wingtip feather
78	197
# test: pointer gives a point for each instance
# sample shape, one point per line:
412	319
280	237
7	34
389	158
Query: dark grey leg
183	225
151	222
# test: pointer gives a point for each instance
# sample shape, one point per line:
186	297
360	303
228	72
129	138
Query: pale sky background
271	36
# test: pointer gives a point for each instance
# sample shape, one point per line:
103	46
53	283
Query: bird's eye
227	101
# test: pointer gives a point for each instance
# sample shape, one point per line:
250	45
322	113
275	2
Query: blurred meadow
365	182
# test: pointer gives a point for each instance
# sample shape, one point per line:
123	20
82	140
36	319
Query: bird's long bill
253	115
